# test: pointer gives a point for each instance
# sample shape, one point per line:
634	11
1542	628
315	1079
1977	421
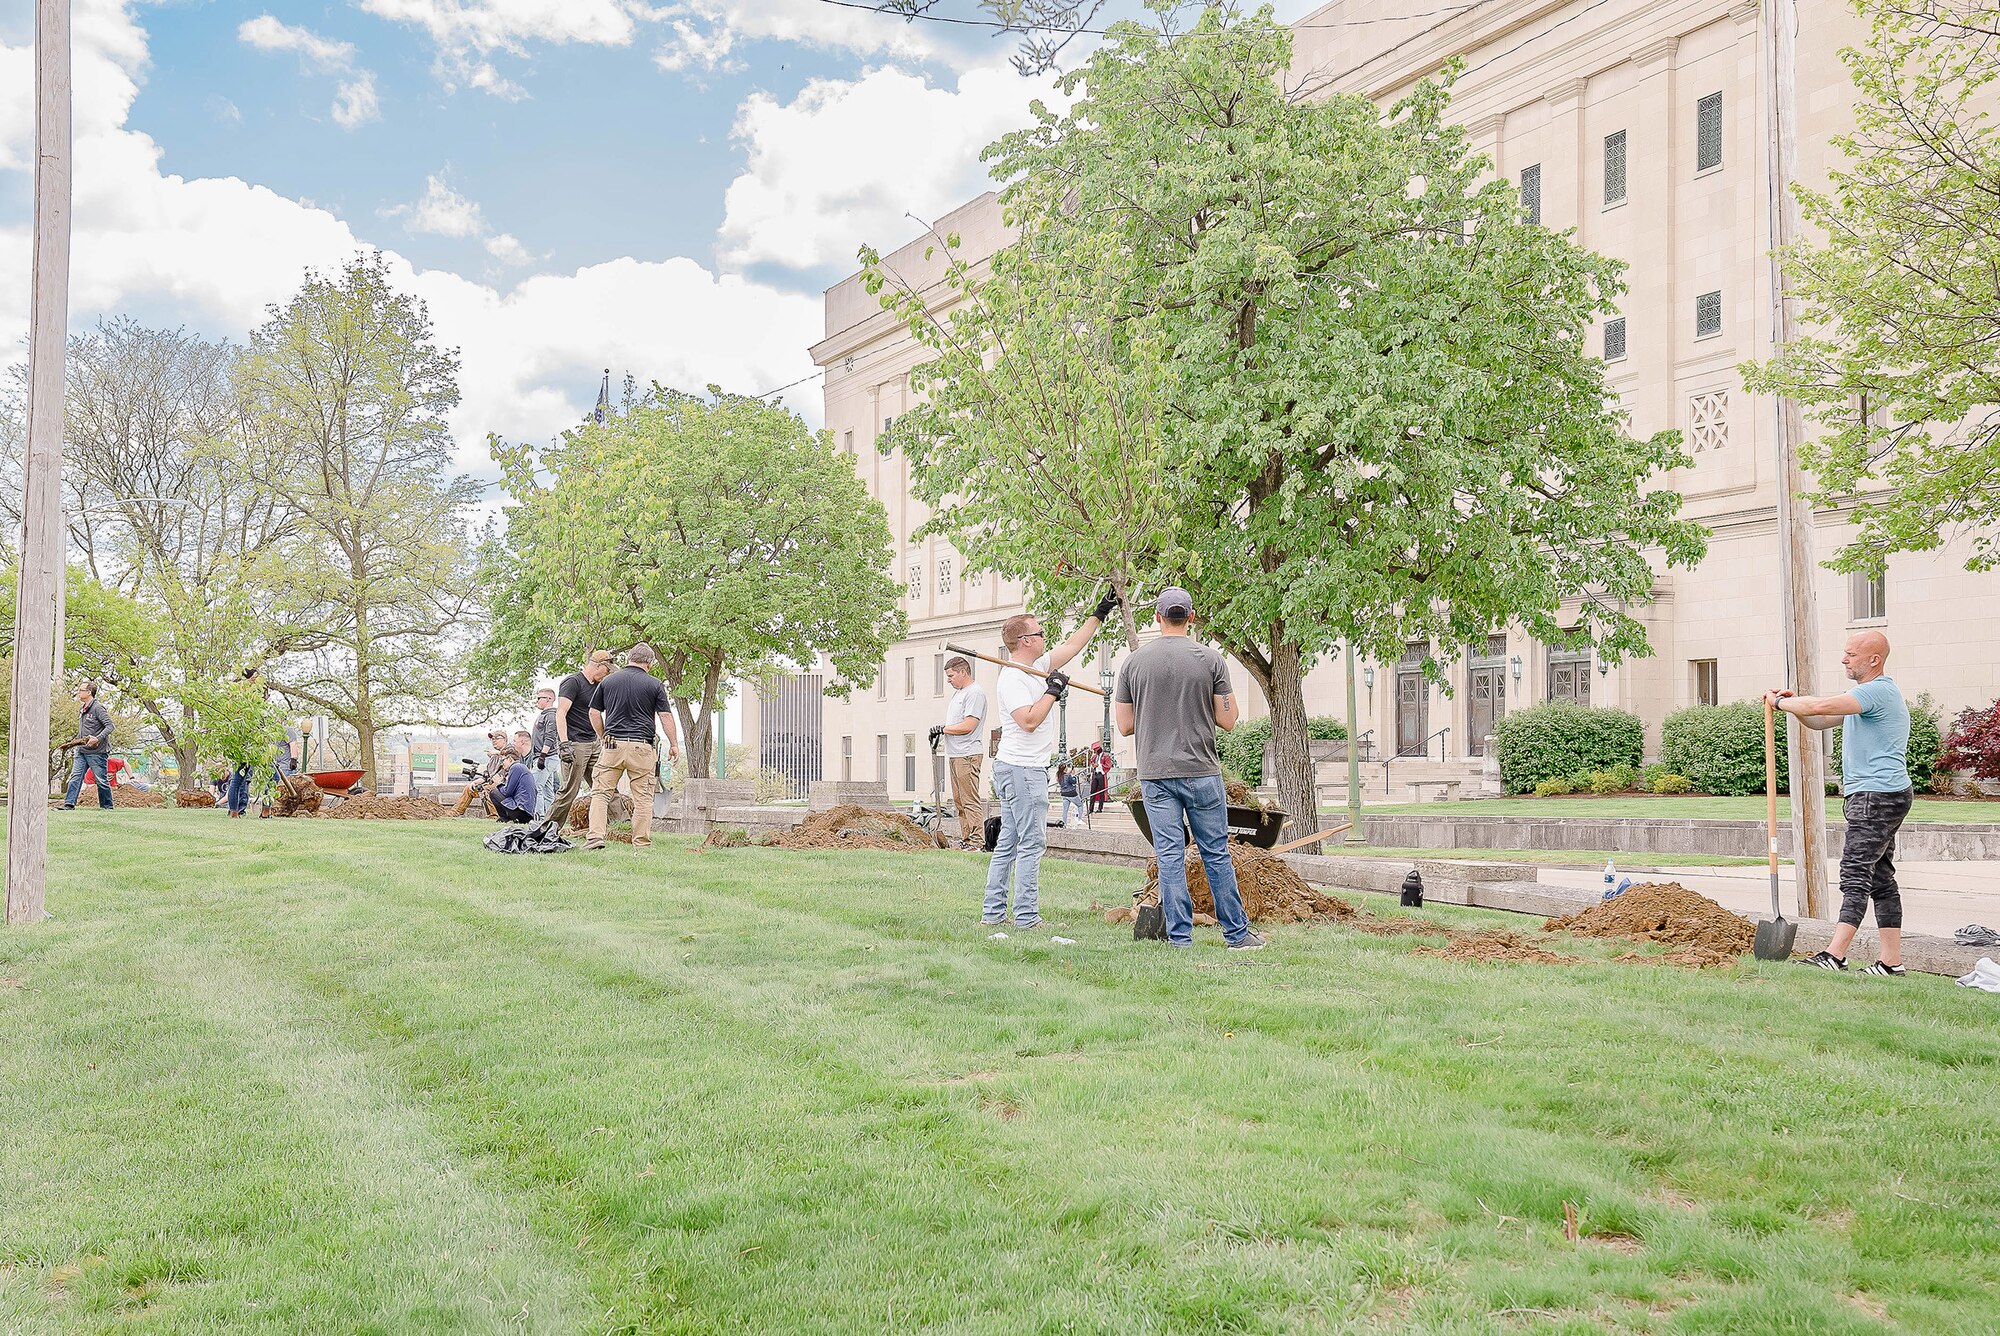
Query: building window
916	583
1868	597
1614	339
882	683
1614	168
1708	315
1707	683
910	678
1708	421
887	422
847	441
847	758
882	756
1569	676
1531	193
944	575
1708	133
975	579
909	762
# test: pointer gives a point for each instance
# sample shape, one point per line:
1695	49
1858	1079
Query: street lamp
1514	667
1107	679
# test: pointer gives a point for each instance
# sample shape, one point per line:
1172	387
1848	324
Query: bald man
1875	782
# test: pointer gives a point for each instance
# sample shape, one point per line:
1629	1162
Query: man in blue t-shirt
1874	728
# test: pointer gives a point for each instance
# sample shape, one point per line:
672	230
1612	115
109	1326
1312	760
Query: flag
602	413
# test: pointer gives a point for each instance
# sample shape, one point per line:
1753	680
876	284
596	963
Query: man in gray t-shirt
1173	694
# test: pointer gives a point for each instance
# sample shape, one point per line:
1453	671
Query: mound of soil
1271	891
199	798
726	837
1704	933
297	796
1496	948
127	796
850	827
371	807
617	808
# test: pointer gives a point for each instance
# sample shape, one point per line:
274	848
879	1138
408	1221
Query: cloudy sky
662	188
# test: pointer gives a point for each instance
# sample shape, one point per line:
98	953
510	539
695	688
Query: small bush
1974	744
1671	783
1560	741
1650	776
1942	784
1242	747
1606	781
1720	748
1627	777
1554	788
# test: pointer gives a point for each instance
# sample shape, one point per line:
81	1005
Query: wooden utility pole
41	524
1797	563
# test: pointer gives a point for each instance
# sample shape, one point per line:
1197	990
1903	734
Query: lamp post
1107	679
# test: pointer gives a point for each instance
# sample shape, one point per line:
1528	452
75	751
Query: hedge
1242	747
1720	748
1926	741
1558	741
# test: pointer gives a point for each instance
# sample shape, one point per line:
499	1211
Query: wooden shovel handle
1771	779
1301	842
1026	668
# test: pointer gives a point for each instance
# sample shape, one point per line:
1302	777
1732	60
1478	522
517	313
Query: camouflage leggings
1867	873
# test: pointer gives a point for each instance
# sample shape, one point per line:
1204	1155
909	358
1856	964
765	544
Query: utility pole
41	500
1797	564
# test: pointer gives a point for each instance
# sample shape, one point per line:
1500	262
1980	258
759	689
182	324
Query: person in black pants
513	793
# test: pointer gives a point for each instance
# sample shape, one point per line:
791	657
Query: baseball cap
1173	602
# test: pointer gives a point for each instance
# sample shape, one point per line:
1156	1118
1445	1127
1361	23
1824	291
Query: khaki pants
970	797
575	774
635	761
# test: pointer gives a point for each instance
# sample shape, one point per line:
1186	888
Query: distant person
543	755
499	751
964	750
1027	702
1173	695
93	750
512	798
629	711
1874	723
1100	776
576	740
240	772
1072	797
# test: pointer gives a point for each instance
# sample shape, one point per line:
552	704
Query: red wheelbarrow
336	781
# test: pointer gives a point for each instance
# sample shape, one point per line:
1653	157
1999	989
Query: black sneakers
1883	968
1826	960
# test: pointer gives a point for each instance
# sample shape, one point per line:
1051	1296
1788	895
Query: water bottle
1610	879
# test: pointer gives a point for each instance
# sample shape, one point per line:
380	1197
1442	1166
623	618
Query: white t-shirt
968	702
1018	746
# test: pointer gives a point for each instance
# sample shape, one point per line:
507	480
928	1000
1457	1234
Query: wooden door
1486	701
1412	722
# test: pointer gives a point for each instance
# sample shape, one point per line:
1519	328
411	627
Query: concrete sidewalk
1938	898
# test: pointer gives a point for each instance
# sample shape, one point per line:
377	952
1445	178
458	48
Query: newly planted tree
721	530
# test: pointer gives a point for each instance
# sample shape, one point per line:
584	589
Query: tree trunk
364	701
1291	753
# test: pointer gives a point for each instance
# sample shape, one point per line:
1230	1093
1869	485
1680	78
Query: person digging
1172	696
1874	722
1027	696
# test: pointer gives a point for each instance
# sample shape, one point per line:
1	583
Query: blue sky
664	188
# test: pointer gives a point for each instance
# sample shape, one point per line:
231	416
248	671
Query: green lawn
320	1077
1684	807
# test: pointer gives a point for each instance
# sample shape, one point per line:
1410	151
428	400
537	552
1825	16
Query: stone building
1644	128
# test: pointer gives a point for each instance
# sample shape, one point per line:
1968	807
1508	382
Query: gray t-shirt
969	701
1171	686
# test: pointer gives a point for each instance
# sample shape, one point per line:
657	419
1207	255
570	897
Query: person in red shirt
113	768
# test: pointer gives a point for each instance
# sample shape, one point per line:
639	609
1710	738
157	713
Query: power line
1000	25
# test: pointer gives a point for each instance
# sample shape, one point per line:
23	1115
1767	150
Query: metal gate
789	731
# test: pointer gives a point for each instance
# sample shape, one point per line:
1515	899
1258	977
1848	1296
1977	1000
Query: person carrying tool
963	750
1173	695
622	713
1874	722
1028	695
93	749
576	741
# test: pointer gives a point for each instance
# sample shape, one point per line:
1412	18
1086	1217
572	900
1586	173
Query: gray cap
1174	603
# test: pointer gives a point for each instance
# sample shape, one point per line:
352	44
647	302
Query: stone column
1654	325
1563	181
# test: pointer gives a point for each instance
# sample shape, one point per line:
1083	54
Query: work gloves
1105	605
1057	685
937	732
565	751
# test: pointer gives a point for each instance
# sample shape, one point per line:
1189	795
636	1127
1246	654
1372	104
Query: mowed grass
319	1077
1678	807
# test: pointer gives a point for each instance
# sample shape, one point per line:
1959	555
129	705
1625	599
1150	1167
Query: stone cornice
1655	53
1569	91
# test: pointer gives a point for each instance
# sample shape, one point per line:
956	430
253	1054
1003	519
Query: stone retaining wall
1920	841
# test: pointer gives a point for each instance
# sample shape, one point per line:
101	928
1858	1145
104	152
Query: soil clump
198	798
1271	891
1496	948
297	796
127	796
373	807
1703	933
852	827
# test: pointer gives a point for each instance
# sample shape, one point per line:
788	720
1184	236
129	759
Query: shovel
1774	939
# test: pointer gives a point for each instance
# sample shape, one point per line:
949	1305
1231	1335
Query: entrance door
1486	702
1412	723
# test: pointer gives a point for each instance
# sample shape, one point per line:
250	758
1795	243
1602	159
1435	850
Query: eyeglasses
1035	634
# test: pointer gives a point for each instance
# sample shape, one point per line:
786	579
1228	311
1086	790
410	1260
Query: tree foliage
1902	369
721	530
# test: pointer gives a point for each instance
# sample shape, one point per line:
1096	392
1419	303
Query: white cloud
441	212
509	25
507	249
842	163
355	103
214	252
704	31
269	34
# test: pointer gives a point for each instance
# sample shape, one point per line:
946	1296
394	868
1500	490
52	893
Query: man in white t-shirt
964	749
1027	713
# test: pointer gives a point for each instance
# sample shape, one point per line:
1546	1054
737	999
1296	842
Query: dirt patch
373	807
1271	891
127	796
1702	933
196	799
1496	948
297	796
850	827
617	808
726	837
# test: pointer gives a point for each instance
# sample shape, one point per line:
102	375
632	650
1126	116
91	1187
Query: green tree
345	396
720	530
239	723
1379	400
1902	369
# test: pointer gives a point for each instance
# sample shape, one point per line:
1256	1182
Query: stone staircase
1410	779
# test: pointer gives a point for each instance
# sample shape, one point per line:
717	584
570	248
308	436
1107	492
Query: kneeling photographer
512	797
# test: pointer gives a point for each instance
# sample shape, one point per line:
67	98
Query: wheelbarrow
1258	826
336	781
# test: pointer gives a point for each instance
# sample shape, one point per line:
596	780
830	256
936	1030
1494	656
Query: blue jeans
1201	801
88	760
1024	809
239	788
1071	803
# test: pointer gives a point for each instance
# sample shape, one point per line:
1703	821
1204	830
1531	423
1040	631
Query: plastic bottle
1610	879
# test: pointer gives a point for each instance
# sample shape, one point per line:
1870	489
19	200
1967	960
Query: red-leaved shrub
1973	745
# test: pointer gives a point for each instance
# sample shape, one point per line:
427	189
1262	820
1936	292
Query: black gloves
1057	685
565	751
937	732
1105	605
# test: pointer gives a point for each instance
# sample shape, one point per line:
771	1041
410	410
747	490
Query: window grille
1708	315
1614	339
916	583
1614	168
1531	193
1708	133
944	575
1708	421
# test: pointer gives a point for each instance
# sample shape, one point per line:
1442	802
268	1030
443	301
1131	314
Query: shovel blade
1774	939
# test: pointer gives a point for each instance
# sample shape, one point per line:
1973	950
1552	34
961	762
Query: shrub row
1558	742
1242	747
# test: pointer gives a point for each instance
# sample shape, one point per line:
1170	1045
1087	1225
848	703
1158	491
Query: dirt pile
1271	891
127	796
199	798
1703	933
850	827
297	796
617	808
370	807
1496	948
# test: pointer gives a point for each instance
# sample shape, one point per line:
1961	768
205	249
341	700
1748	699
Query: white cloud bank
354	99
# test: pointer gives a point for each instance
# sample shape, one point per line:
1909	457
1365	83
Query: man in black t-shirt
630	708
576	740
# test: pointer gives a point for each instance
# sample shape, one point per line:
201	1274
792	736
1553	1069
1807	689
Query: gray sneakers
1252	941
